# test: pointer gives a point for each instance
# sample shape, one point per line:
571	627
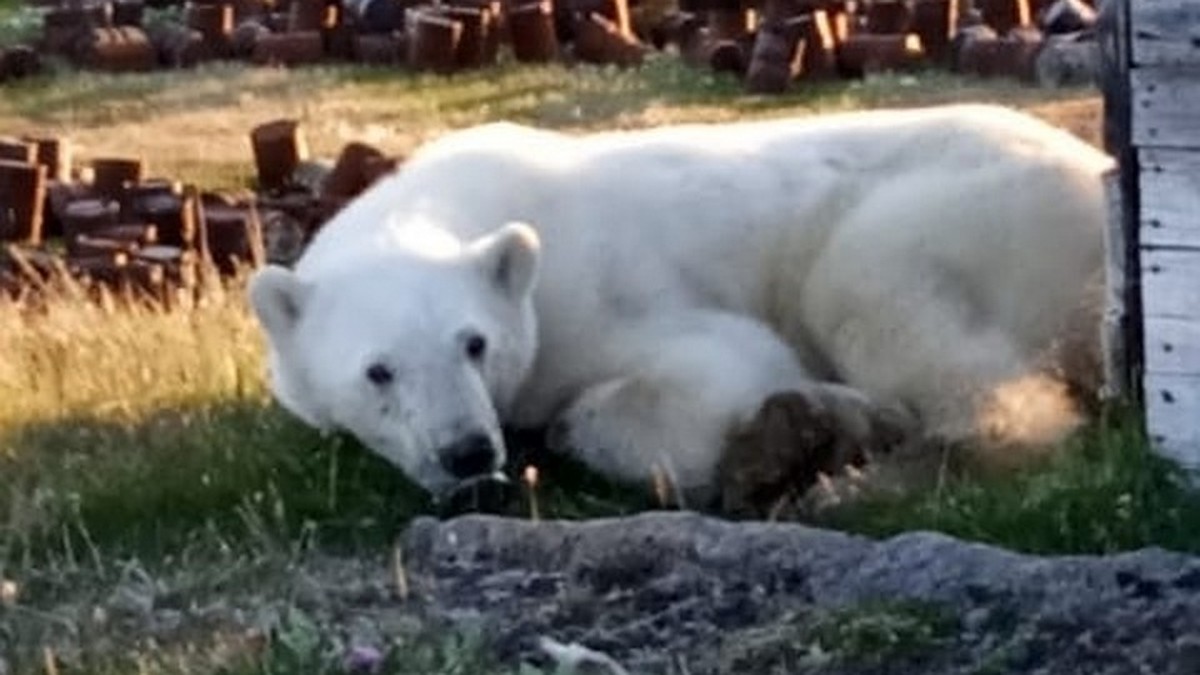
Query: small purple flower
363	659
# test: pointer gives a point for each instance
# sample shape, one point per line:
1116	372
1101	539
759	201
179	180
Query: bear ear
509	257
278	297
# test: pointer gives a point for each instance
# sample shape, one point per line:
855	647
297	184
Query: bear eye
475	347
379	374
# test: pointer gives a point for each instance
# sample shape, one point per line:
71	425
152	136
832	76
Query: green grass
299	647
872	635
875	633
1105	491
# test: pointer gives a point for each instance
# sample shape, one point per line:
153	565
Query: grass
867	636
300	646
137	438
880	632
1105	491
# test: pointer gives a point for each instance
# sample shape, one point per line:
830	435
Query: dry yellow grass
120	359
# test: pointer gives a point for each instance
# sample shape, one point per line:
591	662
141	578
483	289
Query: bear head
416	348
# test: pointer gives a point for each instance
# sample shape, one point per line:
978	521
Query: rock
652	588
682	593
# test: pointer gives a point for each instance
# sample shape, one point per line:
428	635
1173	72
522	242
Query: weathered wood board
1165	32
1170	283
1173	347
1172	411
1170	187
1166	107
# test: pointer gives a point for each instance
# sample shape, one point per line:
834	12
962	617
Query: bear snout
470	456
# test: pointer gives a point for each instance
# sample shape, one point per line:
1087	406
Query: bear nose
471	456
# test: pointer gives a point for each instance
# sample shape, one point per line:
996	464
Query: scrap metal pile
107	224
770	43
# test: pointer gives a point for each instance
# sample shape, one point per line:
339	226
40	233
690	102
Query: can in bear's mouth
485	493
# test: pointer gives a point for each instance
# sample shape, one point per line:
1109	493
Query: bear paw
798	441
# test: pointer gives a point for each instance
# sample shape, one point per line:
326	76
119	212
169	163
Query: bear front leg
688	389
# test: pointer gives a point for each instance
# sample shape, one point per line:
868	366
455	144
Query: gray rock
660	589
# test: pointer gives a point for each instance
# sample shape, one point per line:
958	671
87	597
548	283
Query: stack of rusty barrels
297	195
767	43
773	43
1016	38
776	42
106	221
441	36
107	36
119	227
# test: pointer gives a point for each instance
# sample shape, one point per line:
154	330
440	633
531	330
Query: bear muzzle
471	456
474	461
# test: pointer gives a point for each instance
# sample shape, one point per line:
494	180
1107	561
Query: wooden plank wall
1164	86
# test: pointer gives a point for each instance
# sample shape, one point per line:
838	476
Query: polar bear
641	293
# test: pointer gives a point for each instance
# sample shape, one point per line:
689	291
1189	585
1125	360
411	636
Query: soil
679	593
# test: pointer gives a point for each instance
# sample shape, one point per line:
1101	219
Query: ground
144	472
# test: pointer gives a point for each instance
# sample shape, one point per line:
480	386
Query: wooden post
1115	323
1123	311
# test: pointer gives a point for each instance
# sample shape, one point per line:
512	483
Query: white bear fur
920	259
